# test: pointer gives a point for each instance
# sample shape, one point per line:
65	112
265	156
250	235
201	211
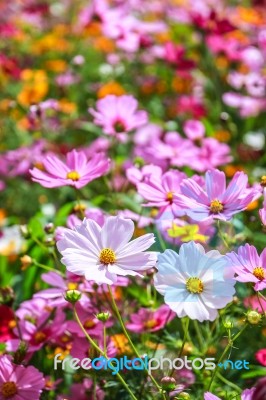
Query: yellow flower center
73	175
170	196
72	286
89	323
151	323
107	256
216	206
40	337
259	273
263	181
8	389
194	285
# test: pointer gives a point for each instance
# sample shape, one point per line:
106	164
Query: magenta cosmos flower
146	320
77	171
118	114
193	283
103	253
216	201
246	395
160	191
18	382
249	266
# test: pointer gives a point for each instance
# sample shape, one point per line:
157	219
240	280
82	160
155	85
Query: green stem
96	347
222	235
161	241
46	267
229	345
184	338
115	308
228	383
198	332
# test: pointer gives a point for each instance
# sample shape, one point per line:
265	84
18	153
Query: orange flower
230	170
56	65
121	343
35	87
222	136
110	88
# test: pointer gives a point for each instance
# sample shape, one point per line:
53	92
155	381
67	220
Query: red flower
6	317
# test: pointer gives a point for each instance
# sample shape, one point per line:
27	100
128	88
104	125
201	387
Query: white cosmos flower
193	283
103	253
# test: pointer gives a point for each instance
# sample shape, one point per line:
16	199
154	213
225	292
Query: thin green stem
198	332
184	338
161	241
228	383
96	347
46	267
115	308
227	348
221	235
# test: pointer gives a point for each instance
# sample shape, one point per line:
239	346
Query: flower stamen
8	389
73	175
263	181
194	285
170	196
216	206
259	273
107	256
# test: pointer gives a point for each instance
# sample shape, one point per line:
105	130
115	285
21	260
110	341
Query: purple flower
216	201
78	171
18	382
249	266
118	114
146	320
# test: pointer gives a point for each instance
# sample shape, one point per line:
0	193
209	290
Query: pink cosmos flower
216	201
38	330
160	191
141	220
261	357
262	212
118	114
18	382
55	295
253	303
103	253
194	130
211	154
136	175
246	395
77	171
193	283
249	266
146	320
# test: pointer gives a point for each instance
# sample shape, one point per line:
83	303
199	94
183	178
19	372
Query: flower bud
6	295
103	316
21	352
25	232
26	261
184	396
253	317
72	296
139	162
49	242
168	383
228	324
49	228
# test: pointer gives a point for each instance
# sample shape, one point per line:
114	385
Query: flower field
132	200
